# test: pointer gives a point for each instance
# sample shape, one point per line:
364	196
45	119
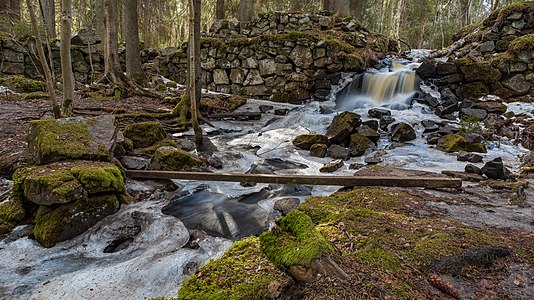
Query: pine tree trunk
219	9
66	60
194	67
98	17
327	5
42	57
111	41
134	69
246	10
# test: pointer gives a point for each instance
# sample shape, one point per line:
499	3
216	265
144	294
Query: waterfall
393	88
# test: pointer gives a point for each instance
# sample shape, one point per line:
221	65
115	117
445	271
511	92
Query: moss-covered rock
173	159
12	212
522	48
22	84
234	276
100	178
455	143
342	126
71	138
483	72
151	149
145	134
45	186
305	141
359	144
54	224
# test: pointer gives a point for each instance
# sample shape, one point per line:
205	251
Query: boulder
286	205
403	132
369	133
343	126
302	57
359	144
305	141
495	169
12	212
72	138
144	134
468	156
480	71
86	37
517	84
378	113
170	158
56	224
427	70
338	152
491	107
472	169
455	142
318	150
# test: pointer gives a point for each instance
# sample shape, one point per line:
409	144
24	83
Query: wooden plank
426	182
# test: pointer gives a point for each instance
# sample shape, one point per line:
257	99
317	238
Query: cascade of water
393	88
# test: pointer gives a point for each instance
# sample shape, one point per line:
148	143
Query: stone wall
282	57
496	57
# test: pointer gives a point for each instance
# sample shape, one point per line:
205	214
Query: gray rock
249	63
220	77
253	78
385	121
343	126
495	169
378	113
487	46
302	57
338	152
474	112
469	157
369	133
267	67
403	132
318	150
332	166
430	126
237	76
472	169
286	205
12	56
474	138
518	84
86	37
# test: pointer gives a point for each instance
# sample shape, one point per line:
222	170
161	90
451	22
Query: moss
351	62
100	97
466	30
523	43
480	71
12	211
56	224
99	178
527	8
212	105
56	185
455	143
297	243
305	141
173	159
57	140
242	273
35	95
22	84
145	134
153	148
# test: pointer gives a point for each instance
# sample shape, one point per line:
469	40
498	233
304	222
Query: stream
146	249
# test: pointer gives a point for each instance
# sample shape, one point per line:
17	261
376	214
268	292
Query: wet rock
305	141
433	138
474	138
427	70
469	157
359	144
430	126
54	225
318	150
135	162
144	134
281	112
265	108
442	111
72	138
343	125
472	169
492	107
385	121
495	169
455	143
378	113
473	112
286	205
369	133
331	166
373	124
403	132
12	212
170	158
338	152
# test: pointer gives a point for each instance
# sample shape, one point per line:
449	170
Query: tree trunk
66	61
246	10
219	9
194	67
111	41
134	70
42	57
48	11
327	5
98	17
14	10
341	7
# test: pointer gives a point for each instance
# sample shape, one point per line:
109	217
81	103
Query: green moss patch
99	178
173	159
21	84
12	211
296	243
242	273
145	134
456	143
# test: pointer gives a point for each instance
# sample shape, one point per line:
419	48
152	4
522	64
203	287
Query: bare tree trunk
98	17
48	11
341	7
219	9
42	57
495	5
134	70
111	41
66	61
246	10
327	5
194	67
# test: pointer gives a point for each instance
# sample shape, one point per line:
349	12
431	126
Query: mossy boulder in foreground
69	197
170	158
72	138
305	141
145	134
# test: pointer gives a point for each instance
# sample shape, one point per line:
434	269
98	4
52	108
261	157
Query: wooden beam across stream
424	182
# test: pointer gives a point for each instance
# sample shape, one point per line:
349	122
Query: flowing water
146	250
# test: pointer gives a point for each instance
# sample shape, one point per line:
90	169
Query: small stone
378	113
430	126
468	156
265	108
318	150
495	169
332	166
472	169
281	112
385	121
338	152
286	205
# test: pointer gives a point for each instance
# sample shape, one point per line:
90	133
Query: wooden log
426	182
240	116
